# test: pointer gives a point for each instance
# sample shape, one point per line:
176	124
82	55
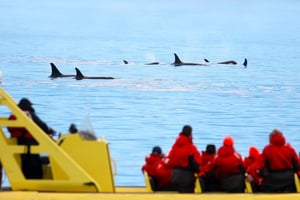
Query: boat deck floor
138	193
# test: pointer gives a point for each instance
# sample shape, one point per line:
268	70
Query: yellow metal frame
297	182
74	166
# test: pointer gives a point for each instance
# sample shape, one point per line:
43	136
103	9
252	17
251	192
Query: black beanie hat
211	149
25	104
187	130
157	150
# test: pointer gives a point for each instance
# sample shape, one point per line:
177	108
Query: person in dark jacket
280	162
23	136
185	160
31	163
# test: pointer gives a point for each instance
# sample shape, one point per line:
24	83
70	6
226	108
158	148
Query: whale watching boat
72	172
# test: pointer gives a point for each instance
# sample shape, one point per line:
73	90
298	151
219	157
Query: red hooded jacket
252	165
181	150
208	160
151	164
278	155
227	162
163	174
157	168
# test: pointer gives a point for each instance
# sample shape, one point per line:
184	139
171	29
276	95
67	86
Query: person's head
25	104
210	149
228	141
253	152
73	128
276	137
274	132
156	150
187	130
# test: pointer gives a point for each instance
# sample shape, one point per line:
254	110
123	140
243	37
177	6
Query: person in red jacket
185	159
252	165
229	168
208	180
158	171
280	162
152	161
163	176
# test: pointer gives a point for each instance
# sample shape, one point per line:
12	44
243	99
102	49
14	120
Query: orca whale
55	73
178	62
232	62
80	76
151	63
245	63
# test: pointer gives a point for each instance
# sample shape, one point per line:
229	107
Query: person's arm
42	124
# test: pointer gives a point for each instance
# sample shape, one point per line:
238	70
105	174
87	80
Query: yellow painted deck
18	195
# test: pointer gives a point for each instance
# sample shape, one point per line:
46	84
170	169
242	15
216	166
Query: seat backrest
198	188
297	182
147	182
248	188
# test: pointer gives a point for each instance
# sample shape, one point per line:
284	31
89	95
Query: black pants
279	182
31	163
183	180
233	183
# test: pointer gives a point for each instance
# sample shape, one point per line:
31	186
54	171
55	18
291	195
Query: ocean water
148	105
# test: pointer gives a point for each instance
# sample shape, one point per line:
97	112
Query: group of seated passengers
271	170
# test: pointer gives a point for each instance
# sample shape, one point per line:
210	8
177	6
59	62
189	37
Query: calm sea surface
148	105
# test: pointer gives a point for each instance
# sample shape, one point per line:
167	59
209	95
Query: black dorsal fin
79	75
177	60
54	71
245	62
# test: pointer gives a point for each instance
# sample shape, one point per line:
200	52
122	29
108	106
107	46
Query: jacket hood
182	140
254	152
152	158
225	151
277	140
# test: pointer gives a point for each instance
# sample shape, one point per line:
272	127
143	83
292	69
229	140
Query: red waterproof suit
280	162
278	155
185	159
151	164
181	150
228	162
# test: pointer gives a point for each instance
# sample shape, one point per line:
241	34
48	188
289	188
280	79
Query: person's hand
249	178
52	131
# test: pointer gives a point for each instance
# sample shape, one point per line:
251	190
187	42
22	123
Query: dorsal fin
125	62
245	62
54	71
79	75
177	60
